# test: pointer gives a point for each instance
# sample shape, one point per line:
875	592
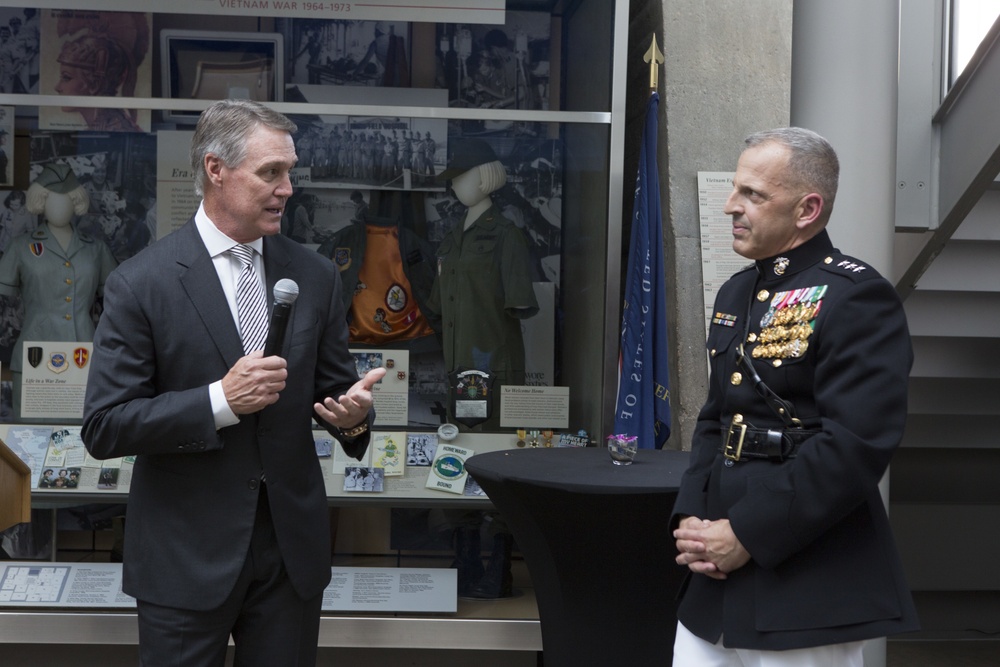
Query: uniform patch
57	362
37	249
342	258
395	298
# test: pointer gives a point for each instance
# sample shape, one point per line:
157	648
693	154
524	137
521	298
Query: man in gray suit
227	520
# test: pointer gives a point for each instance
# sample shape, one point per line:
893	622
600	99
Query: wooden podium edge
15	489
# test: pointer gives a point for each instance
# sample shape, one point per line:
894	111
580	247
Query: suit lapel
200	281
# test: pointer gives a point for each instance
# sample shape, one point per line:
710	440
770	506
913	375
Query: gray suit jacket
167	333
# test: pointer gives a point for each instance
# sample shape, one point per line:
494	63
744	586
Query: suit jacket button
252	484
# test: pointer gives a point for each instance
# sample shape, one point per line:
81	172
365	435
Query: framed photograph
88	53
203	65
347	53
497	66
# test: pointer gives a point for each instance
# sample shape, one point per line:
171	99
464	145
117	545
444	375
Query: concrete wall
727	73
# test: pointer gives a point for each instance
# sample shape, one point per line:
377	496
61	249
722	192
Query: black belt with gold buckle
743	441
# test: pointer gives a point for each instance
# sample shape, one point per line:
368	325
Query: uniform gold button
737	378
776	363
712	353
68	299
828	260
68	316
67	264
69	281
752	338
762	295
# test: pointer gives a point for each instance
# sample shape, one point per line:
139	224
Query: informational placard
718	259
176	200
385	589
448	471
351	589
440	11
54	379
391	395
30	444
534	407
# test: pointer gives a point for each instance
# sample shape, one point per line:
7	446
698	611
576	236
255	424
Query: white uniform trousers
692	651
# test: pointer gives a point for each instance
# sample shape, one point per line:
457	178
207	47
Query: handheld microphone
286	291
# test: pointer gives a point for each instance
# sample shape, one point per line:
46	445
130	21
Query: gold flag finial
655	58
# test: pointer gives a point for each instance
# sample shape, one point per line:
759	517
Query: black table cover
594	538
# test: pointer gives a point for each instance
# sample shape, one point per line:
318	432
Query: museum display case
388	110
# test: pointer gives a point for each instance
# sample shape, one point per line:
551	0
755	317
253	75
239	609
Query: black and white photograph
324	446
496	66
314	215
19	50
6	146
420	448
15	219
364	479
346	53
374	152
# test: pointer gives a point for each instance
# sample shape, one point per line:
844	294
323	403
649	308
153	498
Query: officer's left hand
709	547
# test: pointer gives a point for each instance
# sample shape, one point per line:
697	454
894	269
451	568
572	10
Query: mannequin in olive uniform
482	292
57	271
483	287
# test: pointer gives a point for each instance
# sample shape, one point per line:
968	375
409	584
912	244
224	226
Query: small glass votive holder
622	449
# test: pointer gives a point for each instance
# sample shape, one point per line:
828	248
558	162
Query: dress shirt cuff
224	415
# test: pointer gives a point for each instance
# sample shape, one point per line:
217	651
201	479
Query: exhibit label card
98	585
176	200
391	394
534	407
718	259
448	471
54	379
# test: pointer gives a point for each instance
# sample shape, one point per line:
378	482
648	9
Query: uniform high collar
796	260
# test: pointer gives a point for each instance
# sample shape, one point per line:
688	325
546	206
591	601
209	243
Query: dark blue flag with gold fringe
643	406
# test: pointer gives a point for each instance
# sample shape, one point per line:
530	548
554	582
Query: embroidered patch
342	258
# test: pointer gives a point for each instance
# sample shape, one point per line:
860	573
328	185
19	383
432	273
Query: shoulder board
849	267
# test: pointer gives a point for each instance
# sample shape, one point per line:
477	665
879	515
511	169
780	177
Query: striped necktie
251	304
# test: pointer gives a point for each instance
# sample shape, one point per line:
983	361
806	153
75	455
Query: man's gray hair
223	130
812	162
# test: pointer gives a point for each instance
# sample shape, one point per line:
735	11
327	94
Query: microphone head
286	291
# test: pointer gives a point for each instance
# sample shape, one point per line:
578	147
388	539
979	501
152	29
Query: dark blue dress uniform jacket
824	565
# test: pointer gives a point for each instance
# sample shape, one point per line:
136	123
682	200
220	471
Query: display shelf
341	631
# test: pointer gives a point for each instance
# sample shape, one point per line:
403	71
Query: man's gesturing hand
352	408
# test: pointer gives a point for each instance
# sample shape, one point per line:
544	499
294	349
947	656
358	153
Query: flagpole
642	406
654	57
